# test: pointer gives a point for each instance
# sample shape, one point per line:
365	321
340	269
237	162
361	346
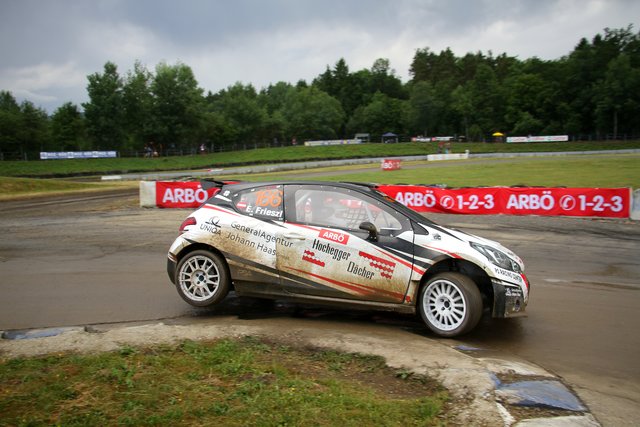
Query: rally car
342	244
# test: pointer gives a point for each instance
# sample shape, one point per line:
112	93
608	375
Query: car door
249	238
323	252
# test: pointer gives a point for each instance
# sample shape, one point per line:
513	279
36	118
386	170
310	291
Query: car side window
260	202
333	207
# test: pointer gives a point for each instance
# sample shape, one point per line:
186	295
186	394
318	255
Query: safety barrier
543	201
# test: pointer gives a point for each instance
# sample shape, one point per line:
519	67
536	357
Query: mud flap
508	300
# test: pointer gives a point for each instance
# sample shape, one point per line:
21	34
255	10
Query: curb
469	377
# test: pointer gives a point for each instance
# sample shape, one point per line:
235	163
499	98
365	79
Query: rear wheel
202	278
450	304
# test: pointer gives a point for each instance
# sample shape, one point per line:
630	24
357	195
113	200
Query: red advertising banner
390	164
595	202
588	202
175	194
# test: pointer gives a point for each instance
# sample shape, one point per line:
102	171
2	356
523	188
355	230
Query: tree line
594	90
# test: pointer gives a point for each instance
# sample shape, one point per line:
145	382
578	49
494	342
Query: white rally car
342	244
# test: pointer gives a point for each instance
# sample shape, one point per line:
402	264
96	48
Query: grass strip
62	168
246	382
12	188
569	171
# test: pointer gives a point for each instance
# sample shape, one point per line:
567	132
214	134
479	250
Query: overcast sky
49	47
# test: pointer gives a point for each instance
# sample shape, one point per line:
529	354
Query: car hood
461	241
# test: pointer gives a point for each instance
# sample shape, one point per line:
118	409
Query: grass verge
58	168
13	188
228	382
571	171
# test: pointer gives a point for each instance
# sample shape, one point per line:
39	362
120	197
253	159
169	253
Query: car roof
350	185
368	188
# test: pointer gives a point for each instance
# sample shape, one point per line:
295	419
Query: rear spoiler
208	184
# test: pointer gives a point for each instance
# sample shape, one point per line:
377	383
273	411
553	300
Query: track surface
98	258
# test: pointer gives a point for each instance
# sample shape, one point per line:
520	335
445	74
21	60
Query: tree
343	85
384	80
178	108
427	66
463	105
383	114
104	112
9	122
24	128
487	100
68	129
424	108
243	114
618	97
137	103
525	100
313	114
274	99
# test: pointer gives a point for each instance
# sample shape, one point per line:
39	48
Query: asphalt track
98	258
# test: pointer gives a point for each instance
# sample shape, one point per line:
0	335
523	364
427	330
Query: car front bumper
509	300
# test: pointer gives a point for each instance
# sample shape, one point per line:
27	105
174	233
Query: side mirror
373	231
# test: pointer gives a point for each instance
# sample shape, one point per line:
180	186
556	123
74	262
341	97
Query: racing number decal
269	198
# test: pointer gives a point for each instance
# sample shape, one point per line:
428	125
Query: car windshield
402	208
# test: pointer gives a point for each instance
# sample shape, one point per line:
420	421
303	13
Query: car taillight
186	223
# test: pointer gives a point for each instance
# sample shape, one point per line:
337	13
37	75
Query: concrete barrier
147	194
457	156
635	205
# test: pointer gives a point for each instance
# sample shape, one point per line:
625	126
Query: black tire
450	304
202	278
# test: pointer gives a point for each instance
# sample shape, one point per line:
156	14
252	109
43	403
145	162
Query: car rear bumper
508	299
171	268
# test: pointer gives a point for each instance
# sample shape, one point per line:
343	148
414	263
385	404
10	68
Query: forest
591	93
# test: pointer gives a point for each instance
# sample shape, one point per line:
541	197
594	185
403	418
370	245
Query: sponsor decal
261	234
353	288
359	271
310	256
273	213
235	237
334	236
266	249
510	274
336	253
384	267
212	225
512	292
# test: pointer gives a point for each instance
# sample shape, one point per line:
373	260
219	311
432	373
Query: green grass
17	187
57	168
570	171
231	383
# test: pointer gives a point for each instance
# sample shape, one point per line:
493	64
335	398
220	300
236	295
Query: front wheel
202	278
450	304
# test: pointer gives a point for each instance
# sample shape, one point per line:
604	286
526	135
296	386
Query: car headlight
497	257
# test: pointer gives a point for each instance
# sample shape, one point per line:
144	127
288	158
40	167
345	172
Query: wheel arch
203	246
469	269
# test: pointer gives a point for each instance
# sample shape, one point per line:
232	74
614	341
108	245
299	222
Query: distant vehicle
342	244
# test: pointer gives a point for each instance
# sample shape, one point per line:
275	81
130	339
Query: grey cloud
263	41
